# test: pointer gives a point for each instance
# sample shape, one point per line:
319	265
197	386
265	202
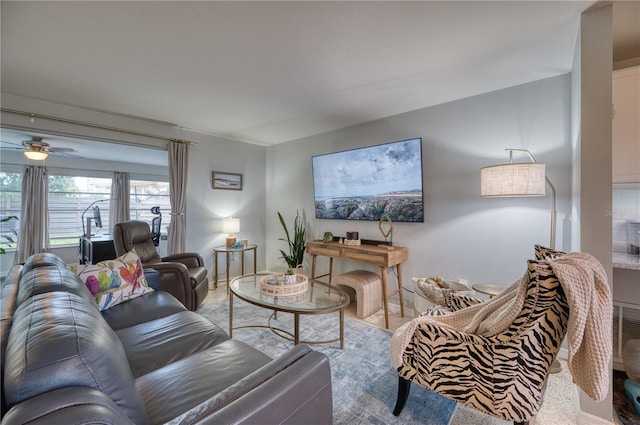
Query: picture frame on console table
226	181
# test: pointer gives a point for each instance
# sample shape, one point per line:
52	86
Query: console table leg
313	266
399	267
385	304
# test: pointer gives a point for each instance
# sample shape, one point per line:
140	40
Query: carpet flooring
363	381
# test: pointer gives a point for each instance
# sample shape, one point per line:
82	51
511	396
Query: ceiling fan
38	150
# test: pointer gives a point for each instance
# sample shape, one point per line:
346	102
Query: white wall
205	207
596	168
463	236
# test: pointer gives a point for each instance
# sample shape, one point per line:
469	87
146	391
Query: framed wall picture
227	181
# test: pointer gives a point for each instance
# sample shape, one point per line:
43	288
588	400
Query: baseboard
589	419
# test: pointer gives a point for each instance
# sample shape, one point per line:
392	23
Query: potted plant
295	256
290	277
8	239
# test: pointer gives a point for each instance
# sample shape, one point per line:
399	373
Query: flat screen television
367	183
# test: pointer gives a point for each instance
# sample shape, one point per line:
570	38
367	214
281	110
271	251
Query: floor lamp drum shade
517	179
513	180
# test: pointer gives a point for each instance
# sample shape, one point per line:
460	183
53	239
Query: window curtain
119	207
178	168
34	214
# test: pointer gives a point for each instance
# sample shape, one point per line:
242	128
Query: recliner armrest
189	259
77	405
175	279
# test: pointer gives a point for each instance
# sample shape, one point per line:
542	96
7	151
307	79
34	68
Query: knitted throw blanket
589	330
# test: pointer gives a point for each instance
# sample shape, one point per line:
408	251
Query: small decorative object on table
289	277
386	228
352	239
327	237
275	284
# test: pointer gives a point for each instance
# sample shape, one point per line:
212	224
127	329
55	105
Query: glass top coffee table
319	298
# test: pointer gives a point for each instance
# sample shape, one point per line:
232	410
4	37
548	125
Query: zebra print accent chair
503	375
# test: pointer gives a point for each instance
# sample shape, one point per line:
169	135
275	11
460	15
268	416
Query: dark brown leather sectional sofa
145	361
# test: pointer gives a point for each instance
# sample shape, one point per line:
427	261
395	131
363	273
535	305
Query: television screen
367	183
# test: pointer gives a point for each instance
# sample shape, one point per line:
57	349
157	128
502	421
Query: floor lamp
520	179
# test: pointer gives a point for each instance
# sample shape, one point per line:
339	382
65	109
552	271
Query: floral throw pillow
112	282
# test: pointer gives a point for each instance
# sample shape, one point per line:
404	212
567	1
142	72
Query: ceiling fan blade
3	142
65	154
62	149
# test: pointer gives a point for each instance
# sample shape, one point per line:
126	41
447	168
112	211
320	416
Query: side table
224	249
487	289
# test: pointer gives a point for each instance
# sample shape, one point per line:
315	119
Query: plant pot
290	279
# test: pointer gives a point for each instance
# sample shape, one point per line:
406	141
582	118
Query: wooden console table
370	254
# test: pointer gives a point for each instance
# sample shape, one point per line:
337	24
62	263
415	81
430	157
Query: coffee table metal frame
297	309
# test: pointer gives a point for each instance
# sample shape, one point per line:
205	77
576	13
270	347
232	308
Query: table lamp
230	226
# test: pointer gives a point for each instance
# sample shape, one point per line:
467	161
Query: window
148	194
70	202
70	199
10	199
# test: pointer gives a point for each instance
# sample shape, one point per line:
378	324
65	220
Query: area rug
363	380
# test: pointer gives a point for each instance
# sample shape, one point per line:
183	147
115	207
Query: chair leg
403	393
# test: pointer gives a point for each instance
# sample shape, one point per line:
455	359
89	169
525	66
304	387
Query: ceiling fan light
36	155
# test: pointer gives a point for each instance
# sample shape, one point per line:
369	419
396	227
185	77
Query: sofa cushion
51	278
8	305
155	344
152	306
182	385
59	340
43	259
115	281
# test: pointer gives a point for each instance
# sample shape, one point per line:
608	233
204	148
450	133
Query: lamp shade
513	180
231	225
36	155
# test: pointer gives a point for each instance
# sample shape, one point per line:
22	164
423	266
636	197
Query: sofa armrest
189	259
153	278
69	405
295	388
